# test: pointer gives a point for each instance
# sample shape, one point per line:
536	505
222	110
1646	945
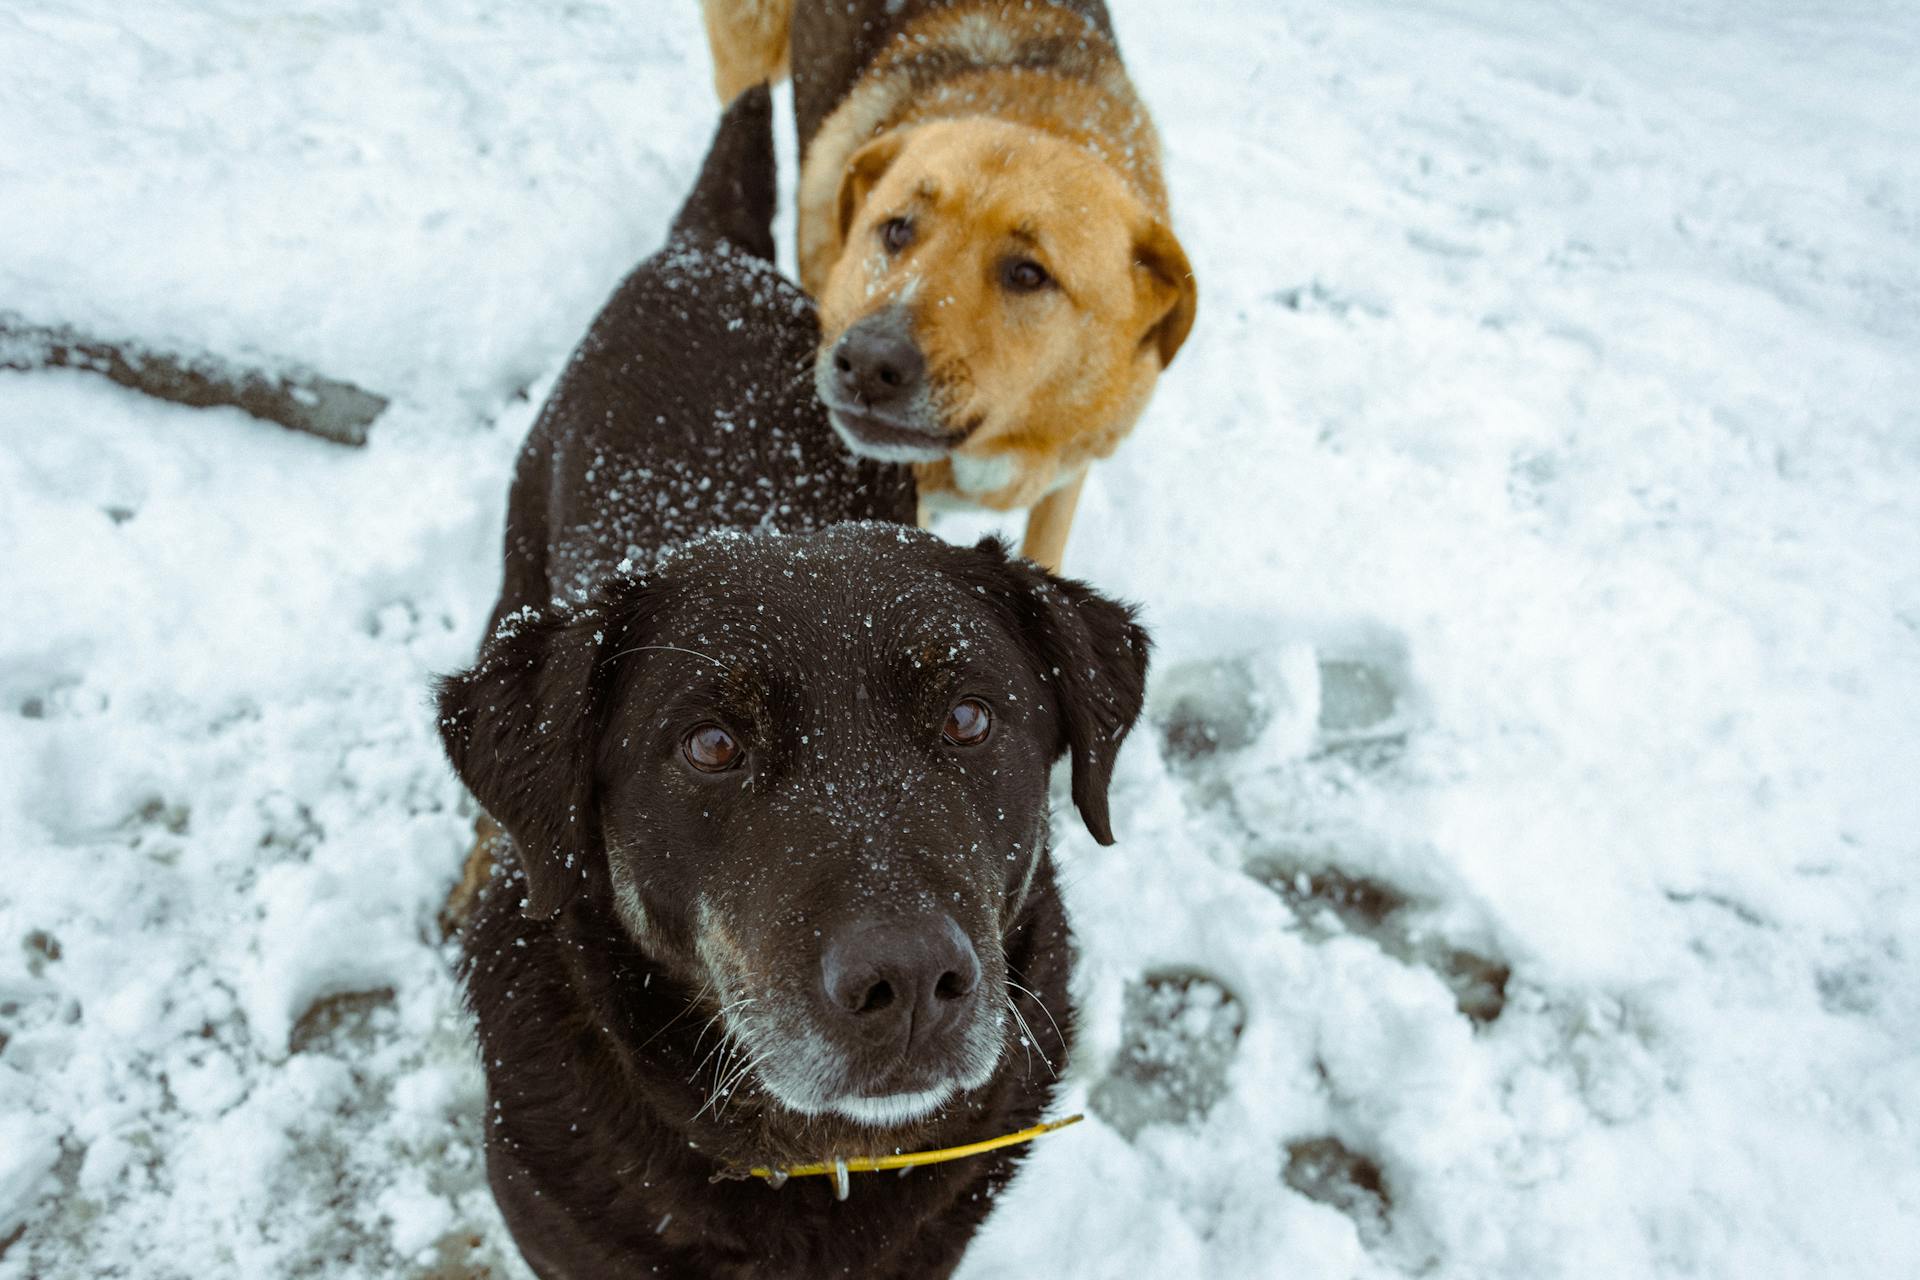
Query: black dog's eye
969	723
896	234
711	749
1024	275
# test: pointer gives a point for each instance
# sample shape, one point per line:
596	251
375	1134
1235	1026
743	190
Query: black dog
778	886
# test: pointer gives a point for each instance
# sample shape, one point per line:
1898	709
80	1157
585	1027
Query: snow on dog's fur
778	885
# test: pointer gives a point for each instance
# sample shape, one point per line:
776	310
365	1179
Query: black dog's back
689	406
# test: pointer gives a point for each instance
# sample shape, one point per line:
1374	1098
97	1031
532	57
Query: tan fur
1054	380
1059	164
1049	522
459	906
749	43
1046	382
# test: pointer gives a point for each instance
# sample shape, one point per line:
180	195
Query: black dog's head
809	775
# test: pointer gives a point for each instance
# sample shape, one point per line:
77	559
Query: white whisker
1030	1039
1034	996
1026	1037
669	648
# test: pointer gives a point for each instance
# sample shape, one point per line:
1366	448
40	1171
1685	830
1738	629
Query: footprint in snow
1328	901
1350	700
343	1024
60	697
1327	1170
1179	1032
1366	704
1208	708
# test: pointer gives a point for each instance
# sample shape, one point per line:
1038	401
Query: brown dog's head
809	776
1000	299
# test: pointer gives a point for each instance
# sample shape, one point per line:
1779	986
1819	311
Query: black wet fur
832	649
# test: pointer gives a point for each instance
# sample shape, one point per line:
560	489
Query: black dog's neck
605	1107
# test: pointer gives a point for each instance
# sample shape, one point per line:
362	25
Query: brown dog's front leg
1048	524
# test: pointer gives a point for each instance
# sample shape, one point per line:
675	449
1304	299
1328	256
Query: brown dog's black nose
899	979
877	364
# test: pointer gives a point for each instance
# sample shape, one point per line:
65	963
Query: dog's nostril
878	362
903	981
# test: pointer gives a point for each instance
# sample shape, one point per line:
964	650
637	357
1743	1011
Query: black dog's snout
877	363
895	979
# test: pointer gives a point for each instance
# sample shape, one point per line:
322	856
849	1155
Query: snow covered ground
1517	875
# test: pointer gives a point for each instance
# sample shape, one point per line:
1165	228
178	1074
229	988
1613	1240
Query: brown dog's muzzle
875	382
877	365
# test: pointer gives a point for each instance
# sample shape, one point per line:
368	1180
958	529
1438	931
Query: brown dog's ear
521	729
1093	655
865	168
1170	296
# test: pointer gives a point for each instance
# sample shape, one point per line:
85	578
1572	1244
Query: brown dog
983	222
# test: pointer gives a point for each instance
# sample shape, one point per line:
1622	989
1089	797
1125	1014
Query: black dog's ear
1094	655
733	197
521	728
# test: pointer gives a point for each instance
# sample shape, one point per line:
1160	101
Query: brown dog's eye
1024	275
711	749
969	723
896	234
